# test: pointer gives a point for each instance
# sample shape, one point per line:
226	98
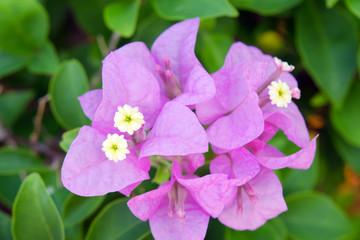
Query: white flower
115	147
280	93
128	119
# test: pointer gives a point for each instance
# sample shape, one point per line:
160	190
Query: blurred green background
51	53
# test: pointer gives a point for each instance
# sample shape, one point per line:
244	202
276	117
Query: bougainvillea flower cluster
161	107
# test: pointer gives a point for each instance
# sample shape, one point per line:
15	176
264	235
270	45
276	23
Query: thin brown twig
114	40
102	45
38	118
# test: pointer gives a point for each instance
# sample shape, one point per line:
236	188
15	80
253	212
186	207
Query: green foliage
122	16
67	138
34	214
189	9
354	7
315	216
11	63
346	118
24	27
9	185
12	104
265	7
78	208
332	60
213	49
272	230
5	226
69	82
127	225
56	47
14	160
45	61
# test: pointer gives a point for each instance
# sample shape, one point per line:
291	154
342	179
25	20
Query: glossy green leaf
75	232
332	60
24	26
184	9
69	82
78	208
272	230
116	221
162	174
45	61
330	3
67	138
12	104
353	6
54	187
121	17
14	160
346	118
9	186
150	28
34	212
313	215
350	154
266	7
213	49
89	15
11	63
5	226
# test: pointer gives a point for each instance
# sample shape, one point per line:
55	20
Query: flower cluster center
128	119
115	147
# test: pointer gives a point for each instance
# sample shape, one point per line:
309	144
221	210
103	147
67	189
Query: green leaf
150	28
121	17
346	118
67	138
331	3
11	63
273	230
332	60
266	7
14	160
184	9
75	233
24	26
347	152
353	6
116	221
213	49
5	226
162	174
9	186
313	215
56	190
89	15
78	208
34	212
45	61
12	104
69	82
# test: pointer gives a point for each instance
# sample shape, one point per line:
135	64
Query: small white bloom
280	93
128	119
283	66
115	147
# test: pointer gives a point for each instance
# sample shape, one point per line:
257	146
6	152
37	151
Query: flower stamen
128	119
280	93
115	147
